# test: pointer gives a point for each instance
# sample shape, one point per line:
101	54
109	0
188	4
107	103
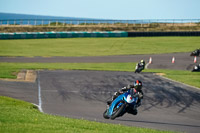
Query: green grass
7	70
187	77
97	46
22	117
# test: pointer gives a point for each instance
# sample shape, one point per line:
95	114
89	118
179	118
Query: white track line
39	94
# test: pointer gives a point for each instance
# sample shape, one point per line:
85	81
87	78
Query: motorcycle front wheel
105	115
117	111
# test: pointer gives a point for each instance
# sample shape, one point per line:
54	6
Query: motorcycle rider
196	68
196	52
137	87
140	65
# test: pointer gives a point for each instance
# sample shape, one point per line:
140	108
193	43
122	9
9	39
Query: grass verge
97	46
187	77
23	117
9	70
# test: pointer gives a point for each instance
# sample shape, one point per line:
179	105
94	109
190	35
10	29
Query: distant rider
196	52
196	68
137	86
140	66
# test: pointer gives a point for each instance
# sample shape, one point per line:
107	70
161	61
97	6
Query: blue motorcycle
121	105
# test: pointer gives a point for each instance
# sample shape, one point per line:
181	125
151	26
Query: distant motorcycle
138	68
121	105
195	53
196	68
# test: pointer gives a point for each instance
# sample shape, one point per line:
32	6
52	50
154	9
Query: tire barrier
178	33
39	35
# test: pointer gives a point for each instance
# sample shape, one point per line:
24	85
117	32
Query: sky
106	9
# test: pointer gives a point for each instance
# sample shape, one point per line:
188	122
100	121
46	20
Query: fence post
63	22
199	22
149	23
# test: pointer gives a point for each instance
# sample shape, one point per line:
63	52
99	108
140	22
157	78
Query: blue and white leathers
125	98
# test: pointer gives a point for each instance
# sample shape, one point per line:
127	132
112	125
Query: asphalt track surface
167	105
161	61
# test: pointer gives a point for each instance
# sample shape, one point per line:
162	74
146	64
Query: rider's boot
109	102
134	112
116	94
113	98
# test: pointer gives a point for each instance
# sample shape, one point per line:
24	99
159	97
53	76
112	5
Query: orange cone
150	60
195	59
173	60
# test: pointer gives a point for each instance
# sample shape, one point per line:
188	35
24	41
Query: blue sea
13	16
23	19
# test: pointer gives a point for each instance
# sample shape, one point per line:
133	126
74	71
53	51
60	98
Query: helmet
138	85
142	61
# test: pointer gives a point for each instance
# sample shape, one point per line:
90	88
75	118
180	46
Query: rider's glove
140	96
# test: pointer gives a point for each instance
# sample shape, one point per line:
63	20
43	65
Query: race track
159	61
167	105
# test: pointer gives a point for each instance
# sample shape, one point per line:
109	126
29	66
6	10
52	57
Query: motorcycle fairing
121	98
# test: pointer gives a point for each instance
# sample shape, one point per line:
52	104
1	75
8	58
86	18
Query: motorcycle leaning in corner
121	105
140	66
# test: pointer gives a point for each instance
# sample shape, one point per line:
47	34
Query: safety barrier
38	35
178	33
